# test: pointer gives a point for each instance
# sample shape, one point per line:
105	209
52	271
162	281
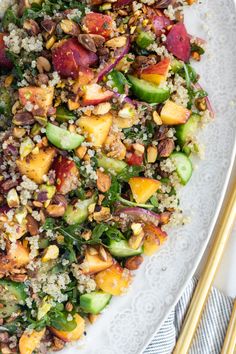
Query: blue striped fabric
211	332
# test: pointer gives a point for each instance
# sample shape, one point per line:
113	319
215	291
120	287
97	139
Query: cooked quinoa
99	112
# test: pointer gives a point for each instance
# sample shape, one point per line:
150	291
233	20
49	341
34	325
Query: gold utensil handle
230	339
207	277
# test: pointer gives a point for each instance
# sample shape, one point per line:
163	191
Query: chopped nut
133	263
8	80
91	208
70	27
115	147
81	151
92	318
92	251
31	27
51	252
200	103
136	228
69	306
102	253
18	132
20	278
151	154
58	344
103	181
196	56
23	118
13	200
135	241
49	26
157	118
102	108
87	42
98	40
32	225
86	235
100	199
55	210
116	42
50	42
43	65
102	215
165	147
139	148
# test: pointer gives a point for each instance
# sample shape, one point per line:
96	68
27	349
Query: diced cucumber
12	294
78	213
122	249
94	302
144	39
147	91
176	65
183	165
62	138
118	80
185	132
111	165
63	114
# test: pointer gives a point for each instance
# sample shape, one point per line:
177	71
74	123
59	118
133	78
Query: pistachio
41	79
49	26
32	225
43	65
31	27
165	147
102	253
50	42
98	40
151	154
116	42
157	118
58	344
102	108
133	263
23	118
70	27
87	42
13	200
81	151
18	132
51	252
201	104
139	148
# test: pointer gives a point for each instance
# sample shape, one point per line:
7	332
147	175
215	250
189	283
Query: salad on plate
99	112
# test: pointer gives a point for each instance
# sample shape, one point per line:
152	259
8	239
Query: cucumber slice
111	165
62	138
12	294
122	249
185	132
63	114
144	39
183	165
94	302
147	91
78	213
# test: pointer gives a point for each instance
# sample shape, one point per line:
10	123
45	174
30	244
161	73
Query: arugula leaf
197	48
111	232
128	172
49	224
9	17
15	59
138	132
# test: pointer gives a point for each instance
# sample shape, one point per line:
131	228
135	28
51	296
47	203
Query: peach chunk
156	73
94	264
154	237
173	114
41	98
114	280
35	166
30	340
73	335
94	94
143	188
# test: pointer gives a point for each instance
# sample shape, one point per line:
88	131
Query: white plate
128	324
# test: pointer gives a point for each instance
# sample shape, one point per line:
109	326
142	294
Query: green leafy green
197	48
139	132
60	321
9	17
111	232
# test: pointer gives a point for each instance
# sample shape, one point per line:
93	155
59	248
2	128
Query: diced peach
4	61
35	166
72	335
67	174
96	23
94	264
85	76
173	114
40	97
68	56
156	73
114	280
18	254
30	340
143	188
94	94
154	237
96	127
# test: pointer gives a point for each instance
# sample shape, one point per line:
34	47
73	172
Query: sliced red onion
208	103
122	52
163	4
159	21
121	3
42	196
139	214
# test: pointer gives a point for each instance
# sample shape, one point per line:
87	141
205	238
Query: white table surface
226	276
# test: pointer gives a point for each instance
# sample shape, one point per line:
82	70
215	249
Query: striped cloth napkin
211	332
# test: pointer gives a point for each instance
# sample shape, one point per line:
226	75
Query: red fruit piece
159	21
178	42
67	175
4	61
94	94
69	55
133	159
96	23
